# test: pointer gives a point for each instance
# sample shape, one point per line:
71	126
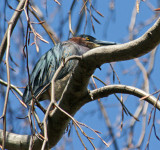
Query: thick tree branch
127	51
76	90
76	95
13	21
15	141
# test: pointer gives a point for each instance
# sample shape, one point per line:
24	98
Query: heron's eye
87	38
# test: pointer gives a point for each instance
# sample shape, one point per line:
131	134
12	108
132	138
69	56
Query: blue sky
114	27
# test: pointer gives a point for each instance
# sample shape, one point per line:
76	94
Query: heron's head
89	41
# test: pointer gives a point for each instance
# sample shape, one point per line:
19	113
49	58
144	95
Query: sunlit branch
111	89
11	86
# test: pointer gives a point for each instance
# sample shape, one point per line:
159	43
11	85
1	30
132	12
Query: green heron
47	65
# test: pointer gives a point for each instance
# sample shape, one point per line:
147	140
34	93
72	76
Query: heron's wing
46	67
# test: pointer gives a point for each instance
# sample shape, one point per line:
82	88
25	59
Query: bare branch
13	20
11	86
111	89
8	85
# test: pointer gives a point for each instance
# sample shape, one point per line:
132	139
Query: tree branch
13	21
76	95
111	89
15	141
11	86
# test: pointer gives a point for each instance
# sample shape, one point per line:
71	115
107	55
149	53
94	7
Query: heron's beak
103	43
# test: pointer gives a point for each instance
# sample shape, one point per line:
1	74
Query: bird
39	85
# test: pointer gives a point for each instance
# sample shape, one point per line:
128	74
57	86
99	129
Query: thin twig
123	106
95	131
19	99
153	123
76	122
105	115
145	107
8	85
11	86
46	27
36	35
79	136
70	24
